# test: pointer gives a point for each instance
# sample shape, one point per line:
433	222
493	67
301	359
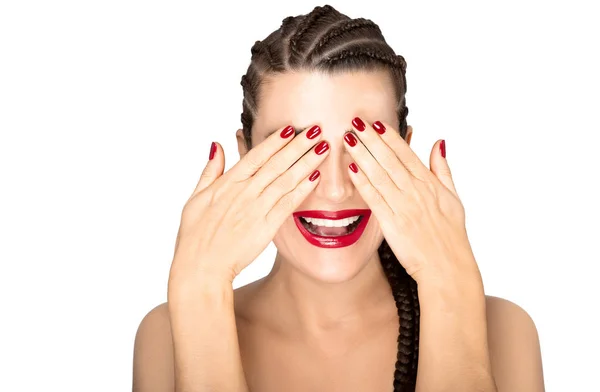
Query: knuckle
375	196
284	184
378	197
287	202
380	178
305	164
254	161
389	159
206	173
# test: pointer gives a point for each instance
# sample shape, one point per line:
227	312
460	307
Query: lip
332	242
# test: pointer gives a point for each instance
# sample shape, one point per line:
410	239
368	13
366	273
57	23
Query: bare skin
325	319
276	359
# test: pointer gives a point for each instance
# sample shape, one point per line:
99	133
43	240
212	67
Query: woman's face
330	101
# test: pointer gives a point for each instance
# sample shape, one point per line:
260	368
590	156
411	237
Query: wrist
193	276
464	275
207	289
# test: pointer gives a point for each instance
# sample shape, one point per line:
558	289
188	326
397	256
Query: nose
335	186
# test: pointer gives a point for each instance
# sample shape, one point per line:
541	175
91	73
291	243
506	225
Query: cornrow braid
326	40
359	51
339	31
295	43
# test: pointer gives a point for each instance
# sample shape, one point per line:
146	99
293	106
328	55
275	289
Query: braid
327	40
404	292
340	31
359	52
295	51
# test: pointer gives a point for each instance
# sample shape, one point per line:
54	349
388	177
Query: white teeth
332	223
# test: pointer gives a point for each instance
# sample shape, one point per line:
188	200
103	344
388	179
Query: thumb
439	165
213	169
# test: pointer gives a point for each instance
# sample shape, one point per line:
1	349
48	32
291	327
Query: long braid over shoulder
326	40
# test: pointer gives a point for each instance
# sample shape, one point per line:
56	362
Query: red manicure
287	132
313	132
321	147
358	124
350	139
213	149
353	167
378	126
443	148
314	175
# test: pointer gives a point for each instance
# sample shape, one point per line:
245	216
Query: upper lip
323	214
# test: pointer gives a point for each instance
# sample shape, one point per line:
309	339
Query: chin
329	268
328	265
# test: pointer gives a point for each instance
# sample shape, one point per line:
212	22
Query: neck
315	308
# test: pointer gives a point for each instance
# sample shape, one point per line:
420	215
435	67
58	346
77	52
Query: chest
274	364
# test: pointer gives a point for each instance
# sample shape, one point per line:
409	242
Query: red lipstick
332	241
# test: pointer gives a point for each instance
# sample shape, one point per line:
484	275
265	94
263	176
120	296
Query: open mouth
331	228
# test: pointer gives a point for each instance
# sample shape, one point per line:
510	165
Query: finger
369	193
284	159
402	149
213	169
289	202
439	165
260	154
377	176
382	152
289	180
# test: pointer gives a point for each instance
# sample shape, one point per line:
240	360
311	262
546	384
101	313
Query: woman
374	287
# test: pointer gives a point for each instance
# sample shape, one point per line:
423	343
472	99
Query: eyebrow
298	130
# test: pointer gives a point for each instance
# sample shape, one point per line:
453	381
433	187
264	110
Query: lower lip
337	241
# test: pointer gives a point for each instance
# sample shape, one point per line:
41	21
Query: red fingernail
314	175
358	124
378	126
321	147
443	148
353	167
213	149
313	132
350	139
287	132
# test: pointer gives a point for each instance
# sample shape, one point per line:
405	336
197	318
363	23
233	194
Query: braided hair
326	40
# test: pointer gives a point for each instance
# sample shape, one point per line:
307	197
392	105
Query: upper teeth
332	223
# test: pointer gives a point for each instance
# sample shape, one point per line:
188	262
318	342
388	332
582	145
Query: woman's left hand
418	209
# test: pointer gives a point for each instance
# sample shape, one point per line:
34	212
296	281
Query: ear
239	135
409	131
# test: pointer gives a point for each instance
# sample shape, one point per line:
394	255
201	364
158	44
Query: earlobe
409	132
239	135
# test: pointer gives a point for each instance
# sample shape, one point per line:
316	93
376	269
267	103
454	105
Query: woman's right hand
230	218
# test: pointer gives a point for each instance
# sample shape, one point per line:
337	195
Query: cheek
287	229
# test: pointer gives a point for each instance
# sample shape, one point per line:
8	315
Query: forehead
331	100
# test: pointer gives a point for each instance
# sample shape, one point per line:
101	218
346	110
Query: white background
108	108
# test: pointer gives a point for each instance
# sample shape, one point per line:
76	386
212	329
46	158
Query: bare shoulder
514	347
153	361
499	308
153	366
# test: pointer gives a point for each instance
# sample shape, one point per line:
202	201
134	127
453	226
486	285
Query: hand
230	218
419	211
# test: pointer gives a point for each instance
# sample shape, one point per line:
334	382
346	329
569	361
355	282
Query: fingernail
313	132
350	139
443	148
314	175
358	124
321	147
378	126
353	167
213	149
287	132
